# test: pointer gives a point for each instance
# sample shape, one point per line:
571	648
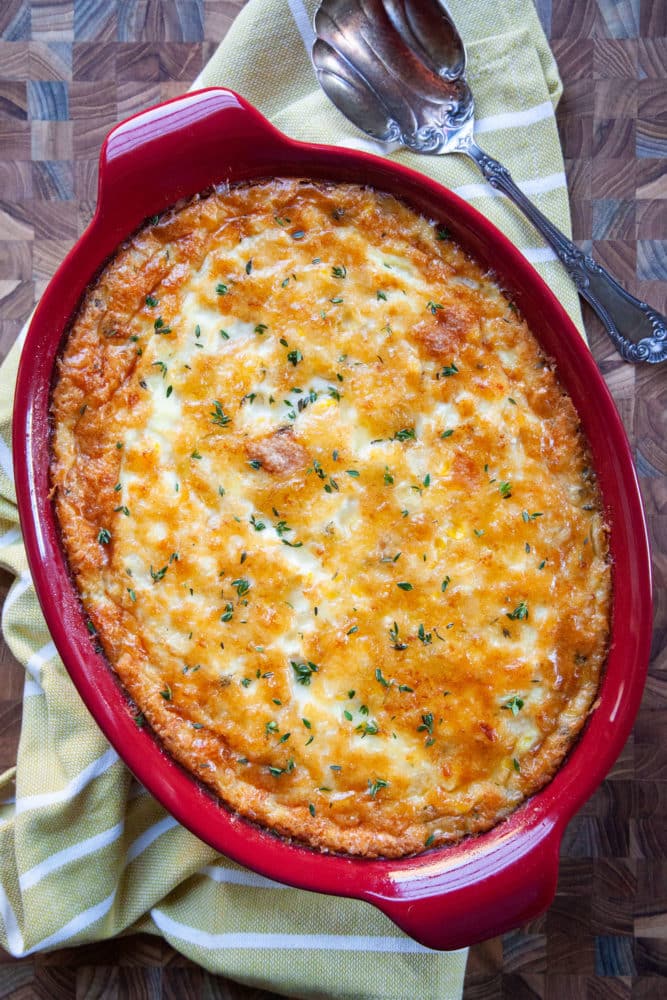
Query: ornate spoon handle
639	332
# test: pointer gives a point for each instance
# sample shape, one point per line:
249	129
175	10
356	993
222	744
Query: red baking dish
444	898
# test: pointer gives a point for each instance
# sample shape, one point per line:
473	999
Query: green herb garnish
520	612
375	786
218	415
514	705
304	671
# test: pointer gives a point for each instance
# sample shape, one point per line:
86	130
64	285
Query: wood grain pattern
69	69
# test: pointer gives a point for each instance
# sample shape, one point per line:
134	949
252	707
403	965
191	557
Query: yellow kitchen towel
85	852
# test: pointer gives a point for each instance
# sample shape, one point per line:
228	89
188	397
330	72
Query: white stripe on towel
309	942
515	119
148	836
536	185
81	922
6	460
14	936
232	876
302	21
76	785
72	853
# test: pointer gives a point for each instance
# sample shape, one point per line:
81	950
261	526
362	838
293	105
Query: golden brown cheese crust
332	516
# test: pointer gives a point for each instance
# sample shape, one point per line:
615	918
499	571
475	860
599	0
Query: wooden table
70	69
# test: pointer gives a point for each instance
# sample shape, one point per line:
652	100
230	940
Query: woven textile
86	853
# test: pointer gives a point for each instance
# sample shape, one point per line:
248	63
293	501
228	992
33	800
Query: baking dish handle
141	159
495	891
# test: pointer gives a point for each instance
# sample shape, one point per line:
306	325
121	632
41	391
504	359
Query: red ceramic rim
445	898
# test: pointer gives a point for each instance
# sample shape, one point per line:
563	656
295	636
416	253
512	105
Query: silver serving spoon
396	69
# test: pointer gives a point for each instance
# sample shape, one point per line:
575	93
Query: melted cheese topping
331	515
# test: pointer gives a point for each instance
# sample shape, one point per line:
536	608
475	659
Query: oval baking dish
445	898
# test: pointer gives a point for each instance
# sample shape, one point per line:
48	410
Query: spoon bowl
396	70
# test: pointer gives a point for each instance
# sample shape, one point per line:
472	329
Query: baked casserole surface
331	516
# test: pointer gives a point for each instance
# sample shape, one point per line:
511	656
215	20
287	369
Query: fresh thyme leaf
393	635
514	705
424	636
159	326
530	517
426	724
375	785
304	671
218	415
448	371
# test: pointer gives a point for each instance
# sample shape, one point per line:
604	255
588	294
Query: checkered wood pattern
69	70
